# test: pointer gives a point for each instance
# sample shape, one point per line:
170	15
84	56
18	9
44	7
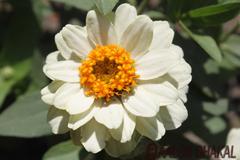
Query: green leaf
206	42
38	78
213	10
27	117
41	9
232	44
80	4
155	14
215	125
211	67
64	151
18	46
105	6
231	48
218	108
132	2
20	70
215	14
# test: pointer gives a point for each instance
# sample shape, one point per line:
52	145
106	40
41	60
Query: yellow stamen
108	71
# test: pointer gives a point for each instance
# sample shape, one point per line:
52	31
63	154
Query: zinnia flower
115	81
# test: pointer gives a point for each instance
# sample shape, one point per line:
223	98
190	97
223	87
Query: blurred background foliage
208	32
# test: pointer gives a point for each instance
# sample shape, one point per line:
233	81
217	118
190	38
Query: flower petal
93	136
116	149
76	136
125	131
125	15
232	145
64	93
100	30
78	120
110	115
58	119
161	92
173	115
182	93
48	92
162	35
181	73
54	57
138	36
150	127
76	38
79	102
140	104
233	139
156	63
65	51
64	71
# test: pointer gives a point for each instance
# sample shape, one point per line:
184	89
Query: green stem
142	6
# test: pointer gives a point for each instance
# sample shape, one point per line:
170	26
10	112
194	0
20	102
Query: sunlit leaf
206	42
218	108
215	14
27	117
80	4
105	6
215	125
65	151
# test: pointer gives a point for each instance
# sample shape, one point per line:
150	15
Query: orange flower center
108	71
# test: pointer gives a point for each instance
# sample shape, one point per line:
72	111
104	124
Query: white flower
233	145
115	81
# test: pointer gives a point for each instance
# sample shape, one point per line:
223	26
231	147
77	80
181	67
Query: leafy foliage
63	151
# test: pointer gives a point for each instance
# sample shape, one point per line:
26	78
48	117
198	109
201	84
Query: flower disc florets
108	71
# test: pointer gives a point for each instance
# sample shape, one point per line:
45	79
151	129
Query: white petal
78	120
140	103
65	51
100	30
48	92
58	119
64	93
76	39
162	35
232	145
76	136
181	73
54	57
125	131
138	36
63	70
161	92
150	127
110	115
156	63
93	136
125	15
233	140
173	115
182	93
79	102
116	149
